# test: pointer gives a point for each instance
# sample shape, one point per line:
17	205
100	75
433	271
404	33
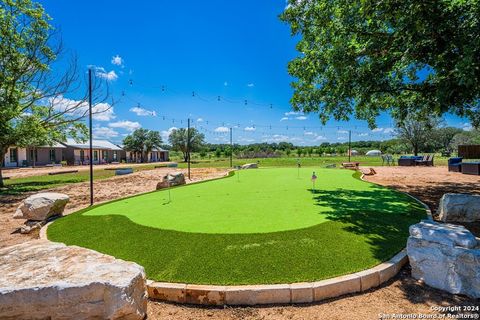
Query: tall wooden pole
188	147
90	132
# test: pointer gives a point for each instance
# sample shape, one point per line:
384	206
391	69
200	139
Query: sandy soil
104	190
401	295
29	172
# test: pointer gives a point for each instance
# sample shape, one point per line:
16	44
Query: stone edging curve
302	292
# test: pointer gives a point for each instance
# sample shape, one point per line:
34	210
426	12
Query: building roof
96	144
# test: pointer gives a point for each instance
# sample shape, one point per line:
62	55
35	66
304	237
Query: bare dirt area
401	295
104	190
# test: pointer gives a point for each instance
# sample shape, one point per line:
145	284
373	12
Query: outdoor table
471	168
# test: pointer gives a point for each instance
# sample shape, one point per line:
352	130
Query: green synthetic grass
347	225
255	201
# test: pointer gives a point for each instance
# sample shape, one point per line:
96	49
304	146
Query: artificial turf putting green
261	226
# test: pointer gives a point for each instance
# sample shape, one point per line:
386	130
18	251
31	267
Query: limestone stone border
302	292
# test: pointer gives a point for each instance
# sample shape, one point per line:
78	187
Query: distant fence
471	151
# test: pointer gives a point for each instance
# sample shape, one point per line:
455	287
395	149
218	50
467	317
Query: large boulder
42	206
46	280
250	166
171	180
459	207
446	257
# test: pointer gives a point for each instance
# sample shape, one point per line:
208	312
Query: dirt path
401	295
104	190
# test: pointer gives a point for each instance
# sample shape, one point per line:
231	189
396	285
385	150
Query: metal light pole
231	149
188	147
349	144
90	132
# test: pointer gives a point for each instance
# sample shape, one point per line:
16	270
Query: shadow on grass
379	214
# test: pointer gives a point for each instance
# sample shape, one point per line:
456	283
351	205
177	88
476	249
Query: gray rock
445	257
250	166
171	180
46	280
447	234
42	206
459	207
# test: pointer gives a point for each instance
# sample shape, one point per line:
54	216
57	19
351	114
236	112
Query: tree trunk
2	157
415	150
185	157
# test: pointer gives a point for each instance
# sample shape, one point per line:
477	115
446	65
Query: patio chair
423	161
430	160
455	164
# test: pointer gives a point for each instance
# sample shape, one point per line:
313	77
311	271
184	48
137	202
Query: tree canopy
142	141
361	58
179	140
33	109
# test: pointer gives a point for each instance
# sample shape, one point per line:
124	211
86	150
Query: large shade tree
142	141
361	58
417	133
186	141
33	107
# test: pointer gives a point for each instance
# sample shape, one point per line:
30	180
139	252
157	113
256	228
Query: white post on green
314	178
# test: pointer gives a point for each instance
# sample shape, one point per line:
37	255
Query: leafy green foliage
27	84
142	141
180	139
364	57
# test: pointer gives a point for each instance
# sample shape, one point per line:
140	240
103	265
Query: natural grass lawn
37	183
346	226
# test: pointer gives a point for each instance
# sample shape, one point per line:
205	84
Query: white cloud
76	108
104	133
249	129
103	112
293	113
104	74
284	119
320	138
467	126
388	130
222	129
341	138
199	120
377	130
363	134
342	131
309	133
251	85
127	125
117	60
109	76
301	118
166	133
143	112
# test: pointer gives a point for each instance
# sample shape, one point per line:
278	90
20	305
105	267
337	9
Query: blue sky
220	63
